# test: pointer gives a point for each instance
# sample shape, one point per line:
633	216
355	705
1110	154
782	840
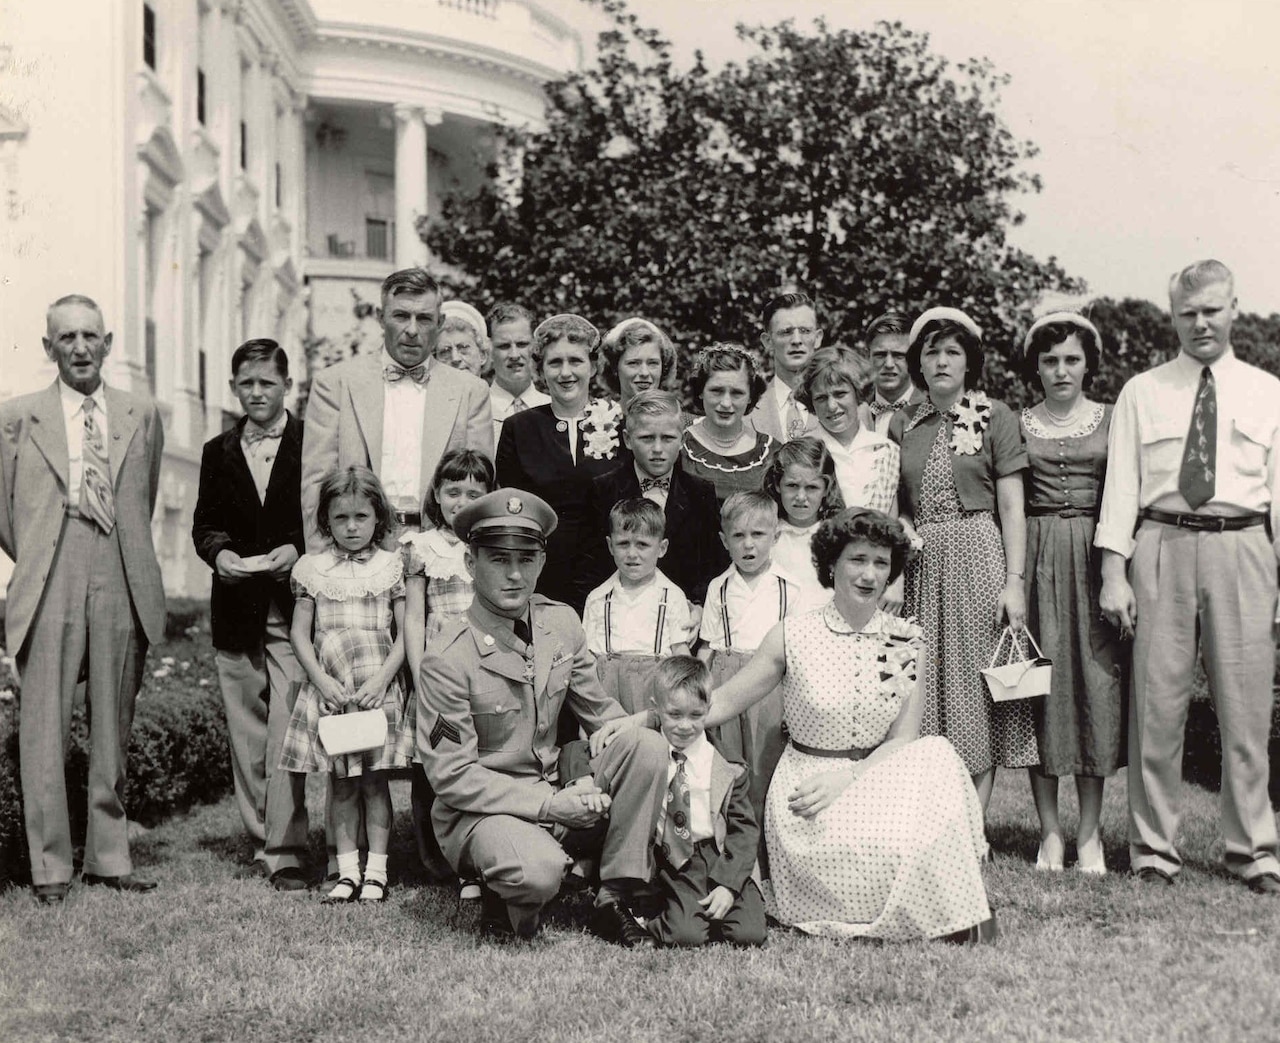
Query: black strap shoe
614	923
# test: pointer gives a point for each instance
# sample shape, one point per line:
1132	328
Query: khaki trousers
1217	590
85	625
258	692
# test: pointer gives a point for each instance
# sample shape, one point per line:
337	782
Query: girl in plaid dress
437	584
346	600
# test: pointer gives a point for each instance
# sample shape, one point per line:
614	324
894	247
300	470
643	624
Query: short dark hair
682	673
804	452
832	365
355	481
940	329
638	514
413	281
725	357
261	349
888	322
1049	336
457	465
508	311
849	526
784	301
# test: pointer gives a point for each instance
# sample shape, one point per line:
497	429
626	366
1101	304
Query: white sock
349	866
375	868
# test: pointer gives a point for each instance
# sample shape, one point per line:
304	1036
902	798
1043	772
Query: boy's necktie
96	499
677	841
1200	455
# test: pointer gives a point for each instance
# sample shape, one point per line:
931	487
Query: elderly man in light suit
397	413
79	470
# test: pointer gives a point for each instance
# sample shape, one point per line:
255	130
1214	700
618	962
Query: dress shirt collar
780	394
902	400
502	399
491	622
1190	367
699	753
429	362
738	582
654	583
866	437
274	430
73	400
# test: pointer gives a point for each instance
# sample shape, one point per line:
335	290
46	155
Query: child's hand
819	792
334	695
370	694
717	904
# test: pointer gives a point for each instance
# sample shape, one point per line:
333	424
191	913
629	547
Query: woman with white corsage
961	489
1080	723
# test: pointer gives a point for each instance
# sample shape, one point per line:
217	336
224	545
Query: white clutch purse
353	732
1024	678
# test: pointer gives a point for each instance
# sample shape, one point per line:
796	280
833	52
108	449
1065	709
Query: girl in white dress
801	479
871	831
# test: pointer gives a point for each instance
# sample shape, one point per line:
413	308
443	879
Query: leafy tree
856	165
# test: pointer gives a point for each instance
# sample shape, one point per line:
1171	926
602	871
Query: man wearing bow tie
79	472
397	412
248	528
886	338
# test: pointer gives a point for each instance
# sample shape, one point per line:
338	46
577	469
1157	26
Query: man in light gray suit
79	470
397	413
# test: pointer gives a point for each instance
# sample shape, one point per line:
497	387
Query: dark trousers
683	922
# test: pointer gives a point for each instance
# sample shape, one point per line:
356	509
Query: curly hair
830	367
725	357
457	465
851	526
634	333
810	453
573	328
941	329
1048	337
355	481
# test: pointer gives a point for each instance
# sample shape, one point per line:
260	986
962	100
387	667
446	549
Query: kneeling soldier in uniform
493	685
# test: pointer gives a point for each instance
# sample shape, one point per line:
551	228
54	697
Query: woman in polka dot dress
871	831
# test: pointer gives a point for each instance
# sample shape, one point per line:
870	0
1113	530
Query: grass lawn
211	957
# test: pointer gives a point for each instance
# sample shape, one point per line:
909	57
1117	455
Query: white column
411	180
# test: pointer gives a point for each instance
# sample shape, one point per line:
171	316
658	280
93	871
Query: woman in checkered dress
347	599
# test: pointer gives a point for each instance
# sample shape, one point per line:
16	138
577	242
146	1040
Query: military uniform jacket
488	708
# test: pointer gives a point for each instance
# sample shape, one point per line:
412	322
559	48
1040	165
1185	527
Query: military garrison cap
506	518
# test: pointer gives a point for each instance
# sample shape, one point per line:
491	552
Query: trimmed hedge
177	749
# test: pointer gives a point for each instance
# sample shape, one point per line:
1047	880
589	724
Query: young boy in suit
706	834
694	551
248	528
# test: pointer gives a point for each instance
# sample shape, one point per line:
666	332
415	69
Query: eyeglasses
786	334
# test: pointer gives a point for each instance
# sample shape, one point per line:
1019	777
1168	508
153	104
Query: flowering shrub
177	748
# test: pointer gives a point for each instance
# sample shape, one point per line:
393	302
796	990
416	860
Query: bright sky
1158	121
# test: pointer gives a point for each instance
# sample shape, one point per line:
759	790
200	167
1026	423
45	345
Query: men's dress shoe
290	878
495	921
614	923
1152	875
1265	884
50	894
130	883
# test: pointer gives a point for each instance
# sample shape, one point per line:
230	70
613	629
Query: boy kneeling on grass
706	835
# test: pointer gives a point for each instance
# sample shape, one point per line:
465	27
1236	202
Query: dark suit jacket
229	515
737	834
695	554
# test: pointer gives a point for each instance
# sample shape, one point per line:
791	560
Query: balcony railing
483	8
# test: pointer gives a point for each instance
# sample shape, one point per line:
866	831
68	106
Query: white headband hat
468	314
1074	318
950	315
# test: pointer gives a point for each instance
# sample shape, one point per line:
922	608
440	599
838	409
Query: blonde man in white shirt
511	353
1192	465
887	340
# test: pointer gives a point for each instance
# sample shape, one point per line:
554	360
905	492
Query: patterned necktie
879	409
356	557
517	406
1199	457
663	484
253	434
795	422
677	841
96	499
393	374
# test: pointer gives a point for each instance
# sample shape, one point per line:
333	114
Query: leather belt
854	754
1065	511
409	518
1204	522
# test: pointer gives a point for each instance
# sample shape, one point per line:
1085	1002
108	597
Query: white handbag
1024	678
353	732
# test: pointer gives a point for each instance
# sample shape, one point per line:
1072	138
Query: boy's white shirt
634	613
753	610
793	556
700	755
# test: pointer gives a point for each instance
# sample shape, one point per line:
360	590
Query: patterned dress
952	587
743	472
897	854
352	628
1080	723
437	555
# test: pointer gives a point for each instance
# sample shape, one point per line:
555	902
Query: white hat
950	315
464	311
1074	318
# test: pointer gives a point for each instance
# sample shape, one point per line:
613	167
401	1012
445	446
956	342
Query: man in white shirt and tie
79	472
1192	465
791	334
887	340
511	354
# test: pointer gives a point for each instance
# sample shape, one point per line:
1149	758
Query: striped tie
96	499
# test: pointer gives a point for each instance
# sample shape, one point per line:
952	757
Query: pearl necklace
705	429
1072	417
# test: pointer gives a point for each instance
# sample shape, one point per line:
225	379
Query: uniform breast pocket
1250	442
496	715
1162	444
